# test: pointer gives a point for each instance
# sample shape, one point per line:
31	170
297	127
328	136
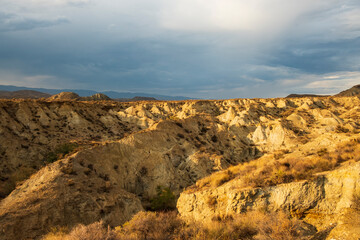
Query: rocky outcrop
65	96
96	97
323	202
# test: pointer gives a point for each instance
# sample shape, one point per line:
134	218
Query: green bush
60	152
164	201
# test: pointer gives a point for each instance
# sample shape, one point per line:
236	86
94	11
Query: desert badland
280	168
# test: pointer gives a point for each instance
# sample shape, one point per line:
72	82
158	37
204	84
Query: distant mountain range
9	91
23	94
84	93
294	95
354	91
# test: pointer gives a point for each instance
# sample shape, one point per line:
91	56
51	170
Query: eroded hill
23	94
125	151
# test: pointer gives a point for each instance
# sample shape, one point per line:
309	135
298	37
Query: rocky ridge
65	96
73	96
354	91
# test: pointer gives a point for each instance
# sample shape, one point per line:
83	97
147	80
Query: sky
196	48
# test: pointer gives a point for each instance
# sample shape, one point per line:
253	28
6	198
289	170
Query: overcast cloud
196	48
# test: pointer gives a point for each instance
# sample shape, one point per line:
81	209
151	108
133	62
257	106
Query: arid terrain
292	162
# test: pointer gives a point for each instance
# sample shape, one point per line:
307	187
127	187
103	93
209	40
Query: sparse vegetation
341	129
211	201
322	152
151	225
222	178
276	169
214	138
60	152
356	201
94	231
57	233
180	135
166	226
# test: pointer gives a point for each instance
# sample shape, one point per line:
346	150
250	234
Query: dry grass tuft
277	169
56	233
151	225
94	231
168	226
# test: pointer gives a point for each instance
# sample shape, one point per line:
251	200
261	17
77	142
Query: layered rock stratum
125	151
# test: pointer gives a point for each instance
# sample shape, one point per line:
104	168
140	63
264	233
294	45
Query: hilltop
354	91
23	94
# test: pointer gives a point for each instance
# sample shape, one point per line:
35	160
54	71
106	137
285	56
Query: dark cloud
12	22
319	58
136	51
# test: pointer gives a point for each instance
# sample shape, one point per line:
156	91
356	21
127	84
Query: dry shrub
217	179
222	178
269	171
94	231
229	227
252	225
168	226
56	233
55	236
279	226
151	225
322	152
356	201
61	151
211	201
341	129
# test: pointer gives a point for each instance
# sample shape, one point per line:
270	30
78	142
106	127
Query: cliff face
127	150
